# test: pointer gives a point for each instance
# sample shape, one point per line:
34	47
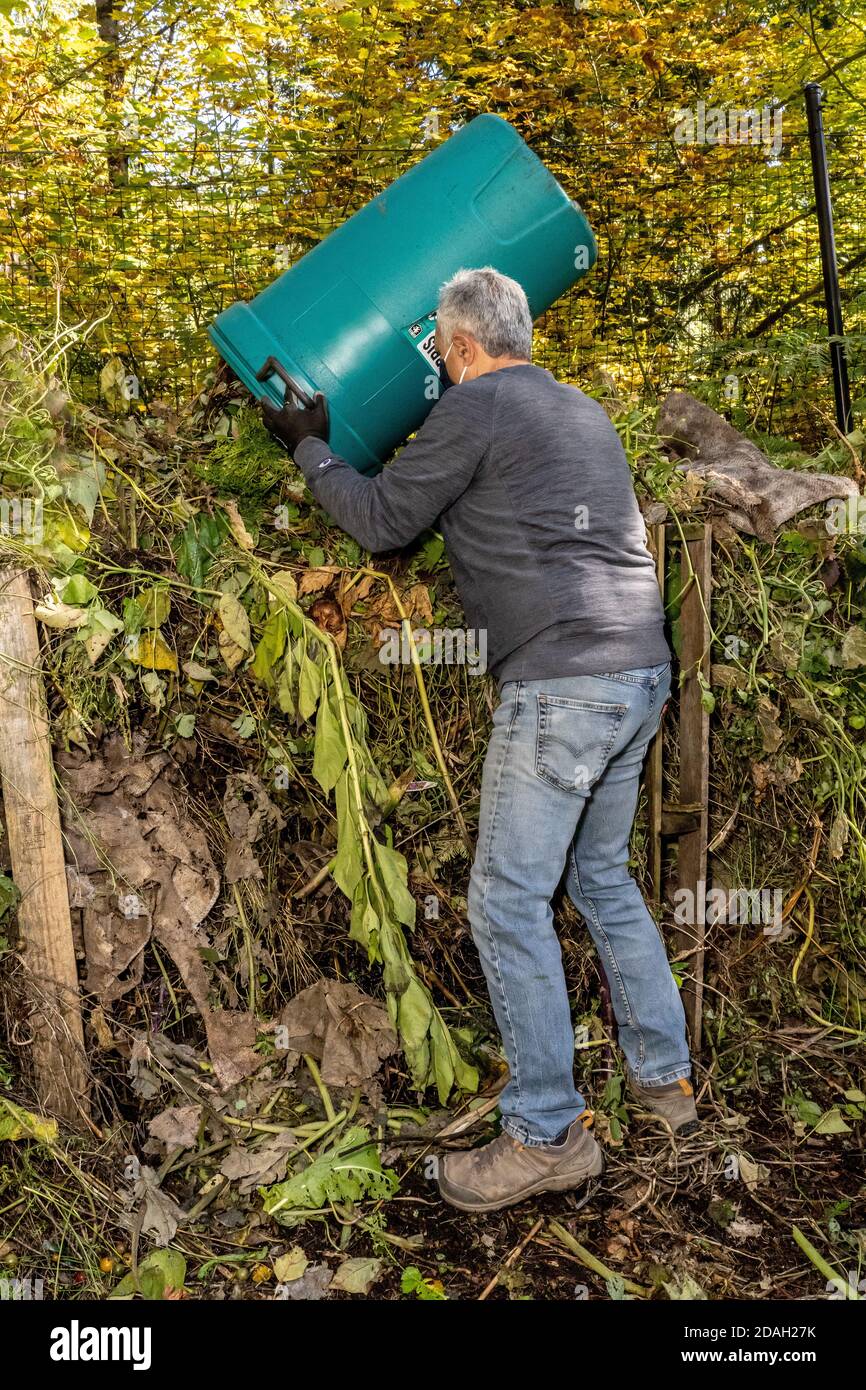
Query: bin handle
272	367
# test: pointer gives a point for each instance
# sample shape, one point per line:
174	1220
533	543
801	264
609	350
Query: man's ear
465	349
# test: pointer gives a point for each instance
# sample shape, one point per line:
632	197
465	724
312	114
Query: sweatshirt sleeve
389	510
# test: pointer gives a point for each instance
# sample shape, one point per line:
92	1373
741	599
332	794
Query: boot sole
560	1184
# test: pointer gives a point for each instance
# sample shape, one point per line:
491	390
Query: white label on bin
422	335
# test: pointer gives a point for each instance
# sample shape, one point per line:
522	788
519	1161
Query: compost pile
268	831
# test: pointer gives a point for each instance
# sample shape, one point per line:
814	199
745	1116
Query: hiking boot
505	1171
674	1102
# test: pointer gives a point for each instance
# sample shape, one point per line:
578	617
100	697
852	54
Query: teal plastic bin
354	317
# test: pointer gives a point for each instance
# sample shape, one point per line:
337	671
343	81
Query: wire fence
708	276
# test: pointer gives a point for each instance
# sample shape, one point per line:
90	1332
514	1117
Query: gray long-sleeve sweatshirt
530	486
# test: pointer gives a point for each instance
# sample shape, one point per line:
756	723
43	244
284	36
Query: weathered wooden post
686	818
653	778
693	806
36	851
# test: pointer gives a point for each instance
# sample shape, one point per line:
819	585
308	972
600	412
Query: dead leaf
313	581
177	1127
99	1024
768	724
854	648
150	651
283	585
751	1173
383	611
234	636
357	1275
779	774
249	812
128	828
60	615
838	837
236	525
197	672
728	677
231	1039
266	1164
741	1229
416	602
291	1265
162	1215
312	1284
352	592
345	1030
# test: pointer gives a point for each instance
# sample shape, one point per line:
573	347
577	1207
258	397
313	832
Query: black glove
292	423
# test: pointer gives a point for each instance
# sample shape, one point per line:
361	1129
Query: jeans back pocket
574	739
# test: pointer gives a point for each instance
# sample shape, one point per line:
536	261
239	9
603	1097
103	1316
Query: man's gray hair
489	306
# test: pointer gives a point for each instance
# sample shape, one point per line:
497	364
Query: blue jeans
558	794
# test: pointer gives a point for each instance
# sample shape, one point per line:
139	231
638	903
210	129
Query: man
530	486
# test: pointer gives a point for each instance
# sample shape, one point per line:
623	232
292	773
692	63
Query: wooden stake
36	851
694	766
654	769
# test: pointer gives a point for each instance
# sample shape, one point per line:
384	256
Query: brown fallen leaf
781	774
416	602
129	830
768	723
249	813
382	611
177	1127
347	1032
99	1024
237	526
312	581
313	1284
162	1215
357	1274
266	1164
351	591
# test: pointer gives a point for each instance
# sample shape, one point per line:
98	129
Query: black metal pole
821	176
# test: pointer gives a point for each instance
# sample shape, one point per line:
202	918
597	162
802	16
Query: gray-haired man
530	486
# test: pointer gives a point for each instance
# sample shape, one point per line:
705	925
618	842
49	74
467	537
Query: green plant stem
320	1086
586	1258
425	706
822	1265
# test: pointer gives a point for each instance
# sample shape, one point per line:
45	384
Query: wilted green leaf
199	545
159	1271
347	1173
330	755
309	688
394	871
78	589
